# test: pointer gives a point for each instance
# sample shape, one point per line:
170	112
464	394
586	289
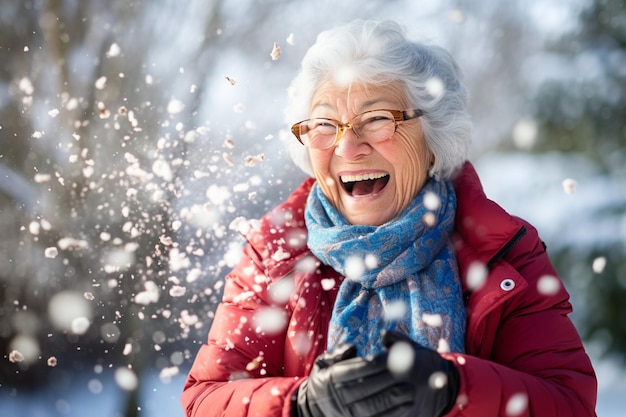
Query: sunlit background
135	134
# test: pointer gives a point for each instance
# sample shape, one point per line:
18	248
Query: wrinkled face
369	183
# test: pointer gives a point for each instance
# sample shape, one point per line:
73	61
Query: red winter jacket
523	355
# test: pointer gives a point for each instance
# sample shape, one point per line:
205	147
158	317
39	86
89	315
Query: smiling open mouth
359	185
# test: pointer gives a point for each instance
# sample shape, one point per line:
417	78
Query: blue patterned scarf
400	276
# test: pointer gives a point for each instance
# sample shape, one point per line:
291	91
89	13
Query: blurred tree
100	105
90	152
584	111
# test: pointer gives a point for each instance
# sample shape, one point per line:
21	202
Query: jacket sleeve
531	361
545	380
238	371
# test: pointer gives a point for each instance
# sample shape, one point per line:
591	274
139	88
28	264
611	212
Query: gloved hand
342	384
436	379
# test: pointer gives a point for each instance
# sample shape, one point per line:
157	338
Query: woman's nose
350	146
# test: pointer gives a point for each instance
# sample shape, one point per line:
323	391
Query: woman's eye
325	127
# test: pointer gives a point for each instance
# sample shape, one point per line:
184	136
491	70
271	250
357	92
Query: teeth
362	177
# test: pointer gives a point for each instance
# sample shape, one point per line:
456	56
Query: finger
358	368
343	352
337	354
390	337
374	385
394	402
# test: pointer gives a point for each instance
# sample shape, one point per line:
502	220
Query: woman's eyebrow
324	105
374	101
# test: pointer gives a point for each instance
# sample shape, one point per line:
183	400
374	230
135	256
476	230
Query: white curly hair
378	53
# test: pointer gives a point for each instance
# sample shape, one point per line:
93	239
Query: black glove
342	384
426	371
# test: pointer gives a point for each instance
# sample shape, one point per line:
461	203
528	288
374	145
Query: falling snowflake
34	227
168	373
395	310
70	243
51	252
275	52
435	88
175	106
243	187
166	240
25	348
228	159
178	260
516	405
598	264
16	356
438	380
26	86
401	358
113	51
41	178
476	275
548	285
429	219
162	169
72	104
188	320
443	346
177	291
254	363
69	310
280	292
270	320
569	185
126	379
149	295
101	83
431	201
103	112
193	275
253	160
433	320
80	325
355	267
525	134
327	284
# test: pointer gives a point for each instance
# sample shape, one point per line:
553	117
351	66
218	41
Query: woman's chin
370	211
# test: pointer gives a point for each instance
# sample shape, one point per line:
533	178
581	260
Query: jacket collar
480	222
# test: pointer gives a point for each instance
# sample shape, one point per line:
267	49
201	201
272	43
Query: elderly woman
388	284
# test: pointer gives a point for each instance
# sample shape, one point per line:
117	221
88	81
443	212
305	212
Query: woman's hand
342	384
436	380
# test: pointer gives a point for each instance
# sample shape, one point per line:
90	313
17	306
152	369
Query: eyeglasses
373	126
